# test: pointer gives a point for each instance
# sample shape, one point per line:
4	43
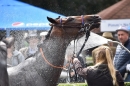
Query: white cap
123	28
43	33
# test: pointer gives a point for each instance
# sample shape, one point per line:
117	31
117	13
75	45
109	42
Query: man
32	39
122	57
14	57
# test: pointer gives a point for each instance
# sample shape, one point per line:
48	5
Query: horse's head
73	25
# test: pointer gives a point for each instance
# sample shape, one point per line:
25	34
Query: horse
45	67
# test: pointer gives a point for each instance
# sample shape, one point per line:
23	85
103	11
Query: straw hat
108	35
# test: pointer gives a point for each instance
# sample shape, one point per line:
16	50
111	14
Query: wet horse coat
36	71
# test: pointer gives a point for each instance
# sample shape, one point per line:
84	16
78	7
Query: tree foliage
73	7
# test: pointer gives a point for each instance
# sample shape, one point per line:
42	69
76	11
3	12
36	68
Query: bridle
84	28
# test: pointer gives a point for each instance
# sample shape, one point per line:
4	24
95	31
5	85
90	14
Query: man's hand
75	59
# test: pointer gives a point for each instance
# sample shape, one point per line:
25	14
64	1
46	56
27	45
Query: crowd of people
14	56
111	63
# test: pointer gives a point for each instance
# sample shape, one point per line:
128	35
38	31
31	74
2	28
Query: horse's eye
70	19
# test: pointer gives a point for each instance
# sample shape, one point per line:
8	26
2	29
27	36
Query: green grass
83	84
89	61
72	84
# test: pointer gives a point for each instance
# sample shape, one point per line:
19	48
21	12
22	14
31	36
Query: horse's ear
51	20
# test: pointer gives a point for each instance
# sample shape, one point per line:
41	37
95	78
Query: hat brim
27	38
111	38
122	30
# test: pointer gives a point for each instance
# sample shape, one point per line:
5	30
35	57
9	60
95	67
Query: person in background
122	57
109	36
14	57
43	36
103	72
66	73
32	39
64	76
4	79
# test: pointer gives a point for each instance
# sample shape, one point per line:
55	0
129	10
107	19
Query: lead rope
74	52
71	62
86	38
62	67
74	55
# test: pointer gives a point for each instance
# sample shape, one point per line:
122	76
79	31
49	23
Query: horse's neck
54	50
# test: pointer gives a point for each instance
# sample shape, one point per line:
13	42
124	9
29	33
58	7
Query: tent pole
7	32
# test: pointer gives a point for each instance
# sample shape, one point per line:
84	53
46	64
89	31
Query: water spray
119	44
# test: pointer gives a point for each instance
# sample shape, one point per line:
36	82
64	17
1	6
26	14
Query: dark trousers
127	79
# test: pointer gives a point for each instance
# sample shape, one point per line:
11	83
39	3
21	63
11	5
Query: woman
14	57
103	72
